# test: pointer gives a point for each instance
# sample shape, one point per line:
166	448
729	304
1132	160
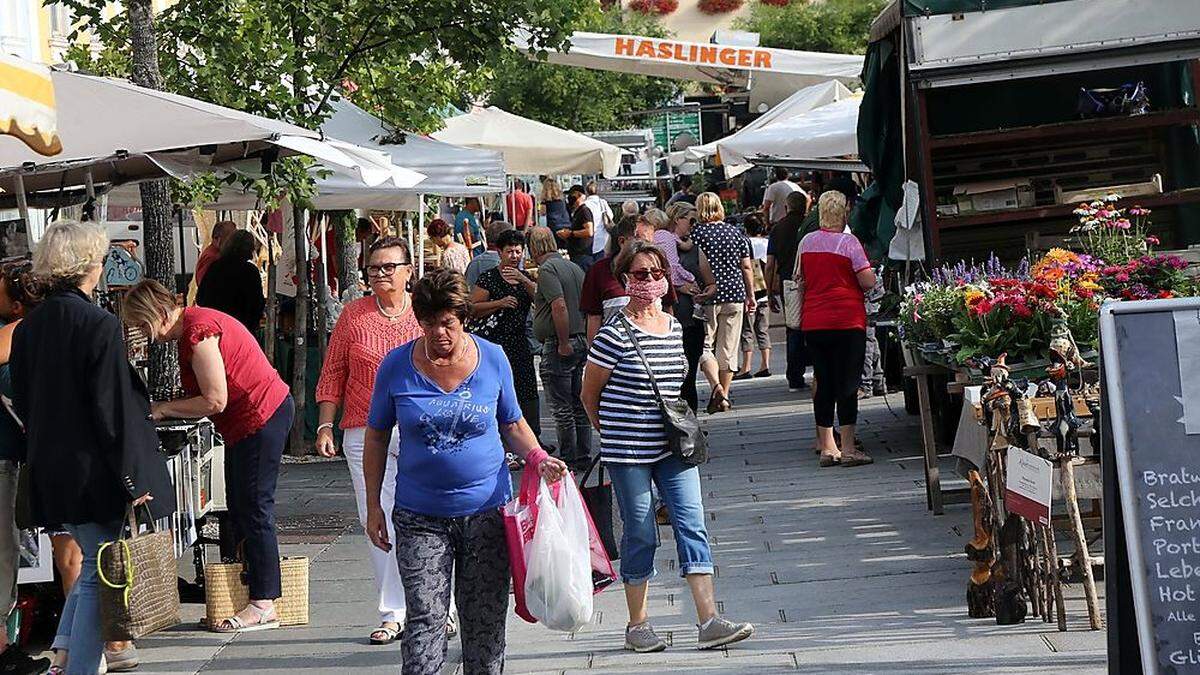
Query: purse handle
642	355
123	542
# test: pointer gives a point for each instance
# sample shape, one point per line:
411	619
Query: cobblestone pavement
840	569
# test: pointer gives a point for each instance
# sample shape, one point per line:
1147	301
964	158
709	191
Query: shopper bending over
91	448
452	399
620	401
227	378
833	270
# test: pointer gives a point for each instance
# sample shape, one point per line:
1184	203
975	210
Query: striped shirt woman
632	428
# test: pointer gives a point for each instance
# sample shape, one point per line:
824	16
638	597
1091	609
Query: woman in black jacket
92	451
233	284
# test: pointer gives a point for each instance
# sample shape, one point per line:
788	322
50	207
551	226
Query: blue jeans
79	627
679	487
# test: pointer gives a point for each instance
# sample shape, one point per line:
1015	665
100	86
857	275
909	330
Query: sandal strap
264	616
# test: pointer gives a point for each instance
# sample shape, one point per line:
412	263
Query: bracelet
322	426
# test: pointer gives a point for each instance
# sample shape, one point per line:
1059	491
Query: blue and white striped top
632	429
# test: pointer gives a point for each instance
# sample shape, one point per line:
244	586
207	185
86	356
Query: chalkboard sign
1151	362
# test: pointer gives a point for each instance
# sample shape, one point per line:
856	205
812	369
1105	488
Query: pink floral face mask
647	290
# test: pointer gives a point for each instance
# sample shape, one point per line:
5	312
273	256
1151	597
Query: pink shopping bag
520	521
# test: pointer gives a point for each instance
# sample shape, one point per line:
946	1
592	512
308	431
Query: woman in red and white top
227	378
366	331
833	271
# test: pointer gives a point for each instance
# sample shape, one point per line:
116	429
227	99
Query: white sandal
267	620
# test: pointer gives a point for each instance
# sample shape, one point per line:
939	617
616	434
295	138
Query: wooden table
935	497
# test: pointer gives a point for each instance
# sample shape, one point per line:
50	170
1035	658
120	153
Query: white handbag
793	299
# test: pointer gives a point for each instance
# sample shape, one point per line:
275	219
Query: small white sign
1030	486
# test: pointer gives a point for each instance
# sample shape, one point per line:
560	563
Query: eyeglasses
385	270
645	275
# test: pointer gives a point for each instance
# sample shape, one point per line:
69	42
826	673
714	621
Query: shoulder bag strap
641	355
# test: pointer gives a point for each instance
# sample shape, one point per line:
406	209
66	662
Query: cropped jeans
79	626
678	487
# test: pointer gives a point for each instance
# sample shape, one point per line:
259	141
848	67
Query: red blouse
833	300
255	390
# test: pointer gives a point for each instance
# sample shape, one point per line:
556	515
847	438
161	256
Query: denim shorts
679	487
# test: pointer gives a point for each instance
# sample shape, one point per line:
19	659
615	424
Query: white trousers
387	574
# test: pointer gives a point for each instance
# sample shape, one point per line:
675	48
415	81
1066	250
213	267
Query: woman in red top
227	378
366	331
833	270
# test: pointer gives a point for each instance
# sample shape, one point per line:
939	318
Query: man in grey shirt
560	327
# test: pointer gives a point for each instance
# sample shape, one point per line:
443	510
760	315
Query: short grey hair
68	251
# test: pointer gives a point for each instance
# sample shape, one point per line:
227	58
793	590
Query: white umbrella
27	109
531	147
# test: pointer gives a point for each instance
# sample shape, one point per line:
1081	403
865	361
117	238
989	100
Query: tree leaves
838	26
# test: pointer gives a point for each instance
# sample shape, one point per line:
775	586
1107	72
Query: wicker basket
225	594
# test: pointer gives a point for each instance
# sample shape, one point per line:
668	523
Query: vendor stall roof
823	137
771	74
530	147
113	127
1072	36
798	104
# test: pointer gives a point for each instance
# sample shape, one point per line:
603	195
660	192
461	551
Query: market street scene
626	336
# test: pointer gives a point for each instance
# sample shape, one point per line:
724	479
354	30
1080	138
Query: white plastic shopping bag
558	582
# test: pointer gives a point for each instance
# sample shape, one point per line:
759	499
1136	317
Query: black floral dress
509	329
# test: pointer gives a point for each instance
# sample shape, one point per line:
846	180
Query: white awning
531	147
795	105
770	74
821	135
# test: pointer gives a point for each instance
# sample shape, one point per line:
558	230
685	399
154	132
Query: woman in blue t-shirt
452	397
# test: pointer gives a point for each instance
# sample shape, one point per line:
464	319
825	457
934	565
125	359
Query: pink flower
1151	240
1122	277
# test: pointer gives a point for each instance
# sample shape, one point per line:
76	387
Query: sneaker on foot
16	662
122	661
642	639
720	632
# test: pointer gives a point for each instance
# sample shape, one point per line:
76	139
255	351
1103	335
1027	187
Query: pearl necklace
453	359
391	317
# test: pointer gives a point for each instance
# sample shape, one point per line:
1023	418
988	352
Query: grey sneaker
642	639
723	632
122	661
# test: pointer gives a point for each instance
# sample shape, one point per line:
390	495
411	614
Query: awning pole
421	236
504	198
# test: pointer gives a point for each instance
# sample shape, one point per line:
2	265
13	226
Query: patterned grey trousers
429	550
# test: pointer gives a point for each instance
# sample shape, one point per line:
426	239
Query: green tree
838	26
578	98
287	59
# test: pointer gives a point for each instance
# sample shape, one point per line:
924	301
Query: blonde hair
551	190
146	303
833	210
680	210
710	208
68	251
657	219
541	242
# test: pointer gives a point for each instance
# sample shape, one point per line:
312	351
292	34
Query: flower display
970	310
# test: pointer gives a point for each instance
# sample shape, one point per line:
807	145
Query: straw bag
139	593
225	594
793	300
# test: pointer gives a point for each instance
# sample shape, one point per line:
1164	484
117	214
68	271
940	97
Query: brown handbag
139	593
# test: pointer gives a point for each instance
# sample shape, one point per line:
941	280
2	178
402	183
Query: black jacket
91	445
234	287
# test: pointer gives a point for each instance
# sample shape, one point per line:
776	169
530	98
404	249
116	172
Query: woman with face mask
619	397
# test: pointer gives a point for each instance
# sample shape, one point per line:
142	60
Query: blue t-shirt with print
451	459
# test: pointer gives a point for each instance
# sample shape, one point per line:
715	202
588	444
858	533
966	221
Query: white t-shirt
758	245
777	194
599	209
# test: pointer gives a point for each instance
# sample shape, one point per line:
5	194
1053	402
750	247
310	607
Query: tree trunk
298	445
346	249
322	286
272	300
156	200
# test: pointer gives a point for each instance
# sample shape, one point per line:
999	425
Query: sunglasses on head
384	270
645	275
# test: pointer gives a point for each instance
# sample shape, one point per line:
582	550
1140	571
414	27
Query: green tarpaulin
924	7
880	146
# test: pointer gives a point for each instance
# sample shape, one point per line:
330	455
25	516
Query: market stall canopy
797	104
771	75
823	138
530	147
450	170
27	109
117	132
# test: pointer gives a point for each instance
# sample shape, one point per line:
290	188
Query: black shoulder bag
684	436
